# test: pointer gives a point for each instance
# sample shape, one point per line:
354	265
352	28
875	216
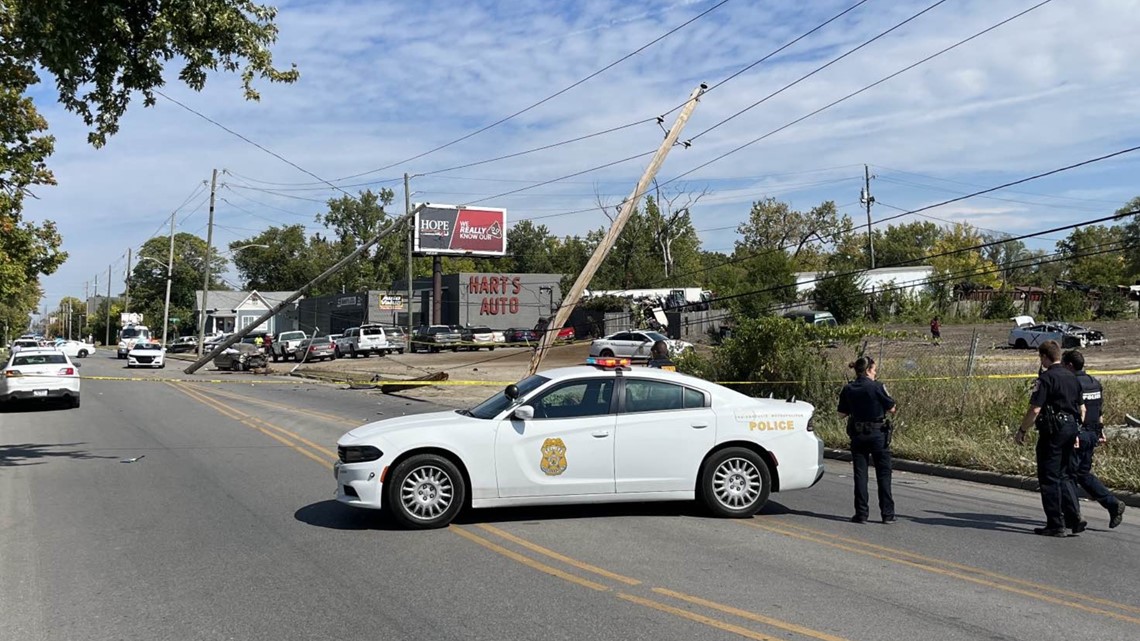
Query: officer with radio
865	404
1055	408
1091	435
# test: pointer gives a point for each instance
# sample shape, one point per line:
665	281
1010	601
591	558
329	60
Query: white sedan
592	434
634	344
76	349
146	355
40	374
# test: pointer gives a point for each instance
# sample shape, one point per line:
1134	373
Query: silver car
240	357
634	345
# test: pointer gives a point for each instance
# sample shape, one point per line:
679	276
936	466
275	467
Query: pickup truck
364	340
286	344
432	338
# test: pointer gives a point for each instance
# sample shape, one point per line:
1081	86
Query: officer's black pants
1055	467
867	448
1086	480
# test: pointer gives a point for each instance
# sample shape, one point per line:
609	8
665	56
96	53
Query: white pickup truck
286	344
365	340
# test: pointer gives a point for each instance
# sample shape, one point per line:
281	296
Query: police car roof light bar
608	363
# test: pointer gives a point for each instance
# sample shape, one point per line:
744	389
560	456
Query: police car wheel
735	483
424	492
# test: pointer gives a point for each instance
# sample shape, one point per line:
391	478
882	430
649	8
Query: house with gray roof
228	311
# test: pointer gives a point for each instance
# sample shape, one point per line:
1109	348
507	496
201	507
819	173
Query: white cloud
386	81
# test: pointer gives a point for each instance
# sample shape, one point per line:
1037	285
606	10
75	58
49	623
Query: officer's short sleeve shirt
865	400
1059	389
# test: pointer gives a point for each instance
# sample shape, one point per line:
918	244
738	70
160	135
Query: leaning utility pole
325	275
127	294
169	275
570	300
206	266
411	245
867	199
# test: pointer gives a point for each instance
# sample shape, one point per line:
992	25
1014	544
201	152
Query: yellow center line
751	616
529	562
281	406
942	571
693	616
581	565
251	422
965	568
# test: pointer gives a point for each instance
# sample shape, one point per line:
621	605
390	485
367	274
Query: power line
811	73
947	190
857	92
546	99
956	222
1027	193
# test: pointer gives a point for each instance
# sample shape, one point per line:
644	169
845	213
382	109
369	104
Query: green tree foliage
1113	305
1093	257
531	248
908	243
955	264
290	261
1131	236
1066	305
148	279
841	293
1000	307
805	236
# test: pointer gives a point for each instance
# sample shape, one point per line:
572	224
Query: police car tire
431	464
606	353
708	489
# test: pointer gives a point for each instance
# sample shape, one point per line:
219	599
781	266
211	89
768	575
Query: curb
1015	481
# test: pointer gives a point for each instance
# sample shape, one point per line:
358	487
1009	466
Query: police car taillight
608	362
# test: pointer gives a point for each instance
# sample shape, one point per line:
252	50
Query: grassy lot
943	422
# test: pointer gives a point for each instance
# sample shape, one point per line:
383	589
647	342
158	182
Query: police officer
1055	408
1092	434
865	404
659	357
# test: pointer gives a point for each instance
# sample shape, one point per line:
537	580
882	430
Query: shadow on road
974	521
334	516
20	454
557	512
31	405
777	509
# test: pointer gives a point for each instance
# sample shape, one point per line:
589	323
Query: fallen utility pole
570	300
328	273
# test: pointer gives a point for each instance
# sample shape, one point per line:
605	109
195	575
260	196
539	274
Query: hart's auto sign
500	293
442	229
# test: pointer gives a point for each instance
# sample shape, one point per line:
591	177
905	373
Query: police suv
599	433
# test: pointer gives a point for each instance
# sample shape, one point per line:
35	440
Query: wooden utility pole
169	276
867	199
411	244
107	340
127	294
570	299
206	266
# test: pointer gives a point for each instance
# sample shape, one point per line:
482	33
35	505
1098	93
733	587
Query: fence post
970	360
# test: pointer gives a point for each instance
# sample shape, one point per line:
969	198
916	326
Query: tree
773	225
148	278
530	248
955	263
1093	257
906	243
355	221
842	295
670	220
68	315
290	261
100	54
1011	257
1131	236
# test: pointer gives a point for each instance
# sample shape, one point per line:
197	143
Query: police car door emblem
553	460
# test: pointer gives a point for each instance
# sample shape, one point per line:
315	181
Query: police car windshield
495	405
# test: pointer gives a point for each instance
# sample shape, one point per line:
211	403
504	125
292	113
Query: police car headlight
358	453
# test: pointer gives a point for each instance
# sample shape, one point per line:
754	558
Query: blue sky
385	81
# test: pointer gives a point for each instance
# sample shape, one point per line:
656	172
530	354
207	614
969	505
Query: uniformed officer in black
1055	409
1092	434
865	404
659	357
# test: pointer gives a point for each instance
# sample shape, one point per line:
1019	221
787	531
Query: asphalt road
224	527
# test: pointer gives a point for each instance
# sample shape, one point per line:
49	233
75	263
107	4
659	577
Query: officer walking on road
1091	435
865	404
1055	408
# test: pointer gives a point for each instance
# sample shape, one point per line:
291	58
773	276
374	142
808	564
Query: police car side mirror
512	392
523	413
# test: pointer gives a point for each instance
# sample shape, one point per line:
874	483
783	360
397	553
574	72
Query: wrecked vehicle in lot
1028	334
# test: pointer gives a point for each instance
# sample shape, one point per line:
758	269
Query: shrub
842	295
1000	307
1113	305
1066	305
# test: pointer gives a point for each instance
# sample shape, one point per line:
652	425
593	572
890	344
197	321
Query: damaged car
1027	334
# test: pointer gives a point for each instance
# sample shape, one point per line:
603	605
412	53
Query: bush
1000	308
607	303
1113	305
1066	305
842	295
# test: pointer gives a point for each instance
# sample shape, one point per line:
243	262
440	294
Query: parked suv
476	338
364	340
432	338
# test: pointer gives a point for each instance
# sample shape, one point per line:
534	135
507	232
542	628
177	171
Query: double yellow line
962	572
292	440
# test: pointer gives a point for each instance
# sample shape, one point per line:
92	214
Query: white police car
599	433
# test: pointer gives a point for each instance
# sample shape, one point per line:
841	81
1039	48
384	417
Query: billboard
447	229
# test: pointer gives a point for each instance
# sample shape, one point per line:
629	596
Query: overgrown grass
936	425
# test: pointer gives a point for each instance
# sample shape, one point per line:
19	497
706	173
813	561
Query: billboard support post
570	300
436	289
411	245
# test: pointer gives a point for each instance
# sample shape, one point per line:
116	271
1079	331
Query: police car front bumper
358	485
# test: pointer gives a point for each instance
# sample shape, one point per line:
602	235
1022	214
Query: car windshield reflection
495	405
